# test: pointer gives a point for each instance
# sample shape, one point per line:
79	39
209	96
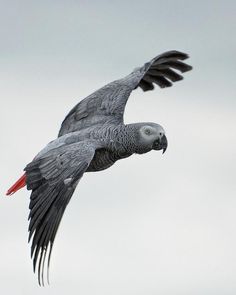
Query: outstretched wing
107	104
52	179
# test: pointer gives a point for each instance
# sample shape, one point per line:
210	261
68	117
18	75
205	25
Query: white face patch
151	133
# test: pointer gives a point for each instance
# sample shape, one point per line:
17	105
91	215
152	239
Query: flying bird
92	137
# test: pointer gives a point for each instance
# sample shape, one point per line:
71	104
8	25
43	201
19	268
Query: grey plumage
92	137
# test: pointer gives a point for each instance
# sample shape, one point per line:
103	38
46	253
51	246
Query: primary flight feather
92	137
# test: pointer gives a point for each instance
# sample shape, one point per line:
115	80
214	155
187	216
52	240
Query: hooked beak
161	144
164	143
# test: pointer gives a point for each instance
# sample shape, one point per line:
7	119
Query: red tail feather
18	185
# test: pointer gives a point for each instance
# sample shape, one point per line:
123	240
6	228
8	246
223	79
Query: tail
21	182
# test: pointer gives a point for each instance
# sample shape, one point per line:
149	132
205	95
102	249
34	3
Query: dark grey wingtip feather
161	69
173	54
146	86
187	68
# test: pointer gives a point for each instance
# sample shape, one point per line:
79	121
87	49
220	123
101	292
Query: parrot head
152	137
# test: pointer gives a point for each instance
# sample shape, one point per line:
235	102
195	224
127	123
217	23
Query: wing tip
187	69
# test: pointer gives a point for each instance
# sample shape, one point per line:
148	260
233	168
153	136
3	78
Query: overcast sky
151	224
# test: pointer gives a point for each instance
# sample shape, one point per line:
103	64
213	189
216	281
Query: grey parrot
92	137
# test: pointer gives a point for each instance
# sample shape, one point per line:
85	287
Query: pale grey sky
168	227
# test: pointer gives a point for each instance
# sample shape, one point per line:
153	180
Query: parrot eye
147	131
